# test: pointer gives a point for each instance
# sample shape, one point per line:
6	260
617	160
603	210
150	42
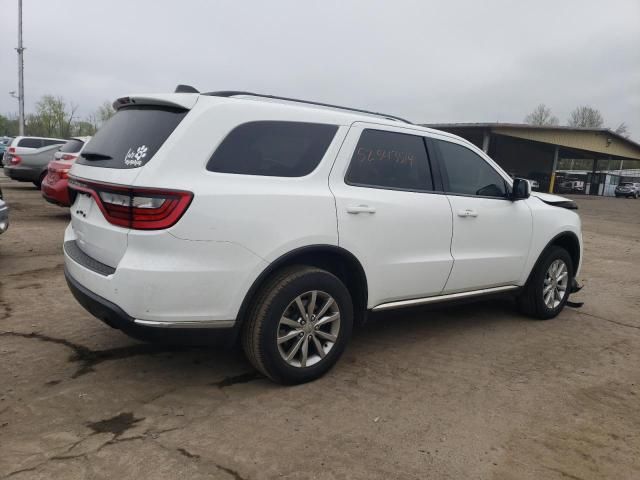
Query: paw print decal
141	152
134	156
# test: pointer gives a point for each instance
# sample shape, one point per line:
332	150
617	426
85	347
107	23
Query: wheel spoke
547	298
546	289
562	276
561	270
288	336
326	336
303	312
328	319
325	307
312	304
294	349
319	347
289	323
305	351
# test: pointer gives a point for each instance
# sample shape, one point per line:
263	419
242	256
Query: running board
442	298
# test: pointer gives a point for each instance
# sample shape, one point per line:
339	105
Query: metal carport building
553	156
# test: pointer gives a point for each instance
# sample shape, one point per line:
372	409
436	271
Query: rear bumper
56	192
22	174
115	317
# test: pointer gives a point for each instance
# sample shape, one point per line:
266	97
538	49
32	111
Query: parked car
628	190
54	186
4	214
284	222
27	158
4	142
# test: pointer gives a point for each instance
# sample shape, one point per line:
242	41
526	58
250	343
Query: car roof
310	111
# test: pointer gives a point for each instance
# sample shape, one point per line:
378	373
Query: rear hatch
106	206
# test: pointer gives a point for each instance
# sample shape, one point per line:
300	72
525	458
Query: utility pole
20	51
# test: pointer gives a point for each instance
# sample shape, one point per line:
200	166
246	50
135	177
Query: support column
485	141
556	152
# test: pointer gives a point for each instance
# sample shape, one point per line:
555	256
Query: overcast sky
439	61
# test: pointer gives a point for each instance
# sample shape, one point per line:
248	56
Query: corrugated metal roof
590	139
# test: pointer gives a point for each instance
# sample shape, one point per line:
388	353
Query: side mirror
521	189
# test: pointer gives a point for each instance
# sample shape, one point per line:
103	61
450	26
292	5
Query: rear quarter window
273	148
30	143
131	137
72	146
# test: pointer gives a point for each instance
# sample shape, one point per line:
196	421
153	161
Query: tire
275	315
38	183
532	299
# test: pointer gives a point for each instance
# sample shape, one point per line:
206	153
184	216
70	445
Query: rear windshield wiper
95	156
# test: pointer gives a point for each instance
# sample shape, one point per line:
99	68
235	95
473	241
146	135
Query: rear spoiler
176	100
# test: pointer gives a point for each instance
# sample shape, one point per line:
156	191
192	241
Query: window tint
276	149
30	142
131	137
53	142
467	173
72	146
390	160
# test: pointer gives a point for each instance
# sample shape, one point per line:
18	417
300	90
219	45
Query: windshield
626	184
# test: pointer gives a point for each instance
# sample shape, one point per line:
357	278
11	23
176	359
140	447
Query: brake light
136	208
66	156
12	149
15	159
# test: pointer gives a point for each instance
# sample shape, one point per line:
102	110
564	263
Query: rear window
276	149
30	143
72	146
48	142
131	137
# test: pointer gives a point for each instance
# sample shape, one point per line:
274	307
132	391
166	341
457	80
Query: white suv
283	222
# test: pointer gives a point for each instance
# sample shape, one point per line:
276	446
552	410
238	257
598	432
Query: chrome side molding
189	324
442	298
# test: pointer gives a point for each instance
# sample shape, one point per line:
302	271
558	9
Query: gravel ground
473	391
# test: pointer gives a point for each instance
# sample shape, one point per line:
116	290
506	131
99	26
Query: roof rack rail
232	93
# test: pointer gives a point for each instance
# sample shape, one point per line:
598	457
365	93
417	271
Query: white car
283	222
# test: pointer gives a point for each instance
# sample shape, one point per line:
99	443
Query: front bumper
115	317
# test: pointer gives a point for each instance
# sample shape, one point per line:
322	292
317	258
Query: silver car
4	214
26	158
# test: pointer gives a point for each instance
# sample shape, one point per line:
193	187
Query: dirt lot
474	391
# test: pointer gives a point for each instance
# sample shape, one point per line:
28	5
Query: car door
491	233
388	214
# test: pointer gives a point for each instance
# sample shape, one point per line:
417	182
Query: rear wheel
298	325
38	183
548	288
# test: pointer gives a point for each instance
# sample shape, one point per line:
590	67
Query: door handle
355	209
467	212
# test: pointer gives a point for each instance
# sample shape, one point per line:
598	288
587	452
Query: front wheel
299	325
549	285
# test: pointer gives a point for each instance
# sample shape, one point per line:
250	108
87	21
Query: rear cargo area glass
131	137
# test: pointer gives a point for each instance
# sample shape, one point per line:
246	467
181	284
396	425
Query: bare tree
104	113
541	115
586	116
623	130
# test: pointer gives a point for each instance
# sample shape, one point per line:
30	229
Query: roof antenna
185	89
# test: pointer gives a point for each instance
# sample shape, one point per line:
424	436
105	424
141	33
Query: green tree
53	118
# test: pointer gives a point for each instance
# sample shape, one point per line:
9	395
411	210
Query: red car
54	186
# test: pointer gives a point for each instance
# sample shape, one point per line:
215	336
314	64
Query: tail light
66	156
14	159
12	149
136	208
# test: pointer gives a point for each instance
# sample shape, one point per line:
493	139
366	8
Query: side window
276	149
30	143
390	160
467	173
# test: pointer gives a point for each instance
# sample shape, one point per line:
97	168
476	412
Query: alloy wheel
308	329
556	282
